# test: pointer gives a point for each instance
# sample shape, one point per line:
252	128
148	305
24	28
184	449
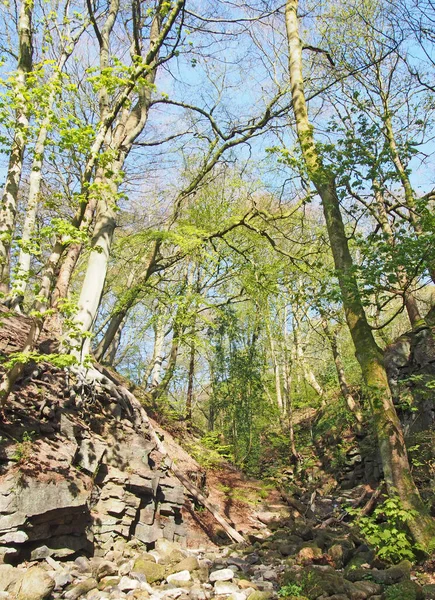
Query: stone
104	569
270	575
83	565
237	596
152	571
14	537
81	589
190	563
405	590
260	595
108	582
429	591
309	553
90	453
127	584
35	585
179	576
222	575
225	588
62	579
165	548
369	587
9	577
125	567
148	534
244	584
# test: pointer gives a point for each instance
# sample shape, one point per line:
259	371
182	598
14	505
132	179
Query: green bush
386	530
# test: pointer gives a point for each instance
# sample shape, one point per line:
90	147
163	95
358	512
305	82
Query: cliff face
410	364
78	468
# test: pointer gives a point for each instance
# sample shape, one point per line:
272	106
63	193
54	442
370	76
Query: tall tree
392	447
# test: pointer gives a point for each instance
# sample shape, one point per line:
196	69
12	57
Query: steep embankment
89	508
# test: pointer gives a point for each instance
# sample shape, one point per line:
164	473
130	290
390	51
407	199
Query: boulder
405	590
81	589
9	577
152	571
190	563
35	585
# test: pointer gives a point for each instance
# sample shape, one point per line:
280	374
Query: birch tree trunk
352	404
391	441
9	200
157	360
307	372
129	126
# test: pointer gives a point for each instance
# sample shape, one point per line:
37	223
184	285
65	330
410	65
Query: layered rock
79	472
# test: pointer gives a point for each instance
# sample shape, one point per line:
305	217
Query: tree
392	447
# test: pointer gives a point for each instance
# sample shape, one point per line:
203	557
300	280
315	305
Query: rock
405	590
9	577
370	588
81	589
62	579
225	588
35	585
165	548
270	575
108	582
127	584
237	596
260	595
125	567
104	569
196	592
152	571
187	564
429	591
309	553
287	549
244	584
221	575
339	555
83	564
181	576
394	574
14	537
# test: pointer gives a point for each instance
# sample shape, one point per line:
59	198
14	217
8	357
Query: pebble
222	575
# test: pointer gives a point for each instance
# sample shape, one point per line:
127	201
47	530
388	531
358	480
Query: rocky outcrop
410	364
78	472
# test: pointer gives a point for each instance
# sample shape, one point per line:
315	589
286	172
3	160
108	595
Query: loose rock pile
297	562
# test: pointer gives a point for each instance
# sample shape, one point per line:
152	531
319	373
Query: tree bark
391	441
352	404
9	200
189	396
409	299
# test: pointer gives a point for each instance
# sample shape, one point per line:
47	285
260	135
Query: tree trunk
288	366
392	447
157	359
307	372
276	370
352	404
409	299
401	170
9	201
127	302
189	396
